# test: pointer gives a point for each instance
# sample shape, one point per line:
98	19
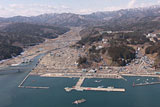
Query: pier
144	84
79	88
80	82
95	89
21	84
33	87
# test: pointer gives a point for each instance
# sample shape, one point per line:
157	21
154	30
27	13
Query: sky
9	8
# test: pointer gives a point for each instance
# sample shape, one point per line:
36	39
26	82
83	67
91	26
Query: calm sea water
55	96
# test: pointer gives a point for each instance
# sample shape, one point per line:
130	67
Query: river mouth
25	67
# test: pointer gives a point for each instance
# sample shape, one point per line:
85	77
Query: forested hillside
16	36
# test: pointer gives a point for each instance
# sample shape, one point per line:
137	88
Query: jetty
80	82
144	84
21	84
34	87
79	88
95	89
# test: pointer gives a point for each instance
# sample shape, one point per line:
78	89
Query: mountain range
21	31
98	18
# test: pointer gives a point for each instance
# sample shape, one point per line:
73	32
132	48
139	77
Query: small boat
110	87
138	79
79	101
133	84
68	89
33	80
100	86
97	81
15	64
79	89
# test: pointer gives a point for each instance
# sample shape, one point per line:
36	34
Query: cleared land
60	60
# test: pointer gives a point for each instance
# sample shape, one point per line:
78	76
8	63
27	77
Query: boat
97	81
15	64
79	101
33	80
68	89
79	89
110	87
138	79
133	84
100	86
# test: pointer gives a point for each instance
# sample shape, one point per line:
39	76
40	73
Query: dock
144	84
79	88
80	82
95	89
21	84
34	87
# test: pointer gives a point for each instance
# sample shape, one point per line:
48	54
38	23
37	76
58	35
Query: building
151	35
99	47
84	70
93	70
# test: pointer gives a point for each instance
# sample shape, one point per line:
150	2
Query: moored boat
79	101
97	80
133	84
15	64
110	87
100	86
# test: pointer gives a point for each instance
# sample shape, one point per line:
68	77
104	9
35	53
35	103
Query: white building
151	35
99	47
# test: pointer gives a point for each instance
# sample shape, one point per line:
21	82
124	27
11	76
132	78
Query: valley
79	53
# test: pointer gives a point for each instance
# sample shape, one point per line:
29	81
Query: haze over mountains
69	19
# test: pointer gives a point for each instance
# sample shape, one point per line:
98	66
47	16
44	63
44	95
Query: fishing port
21	85
79	88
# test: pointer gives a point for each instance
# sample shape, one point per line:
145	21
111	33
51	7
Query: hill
16	36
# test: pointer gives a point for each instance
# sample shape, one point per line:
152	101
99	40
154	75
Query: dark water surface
55	96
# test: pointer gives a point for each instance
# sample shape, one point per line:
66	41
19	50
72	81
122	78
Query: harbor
56	91
21	85
57	71
79	88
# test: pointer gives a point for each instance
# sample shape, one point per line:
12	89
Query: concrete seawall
78	75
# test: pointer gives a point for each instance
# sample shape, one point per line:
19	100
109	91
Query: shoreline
140	75
91	75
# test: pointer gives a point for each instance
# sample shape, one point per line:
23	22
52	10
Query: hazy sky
35	7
